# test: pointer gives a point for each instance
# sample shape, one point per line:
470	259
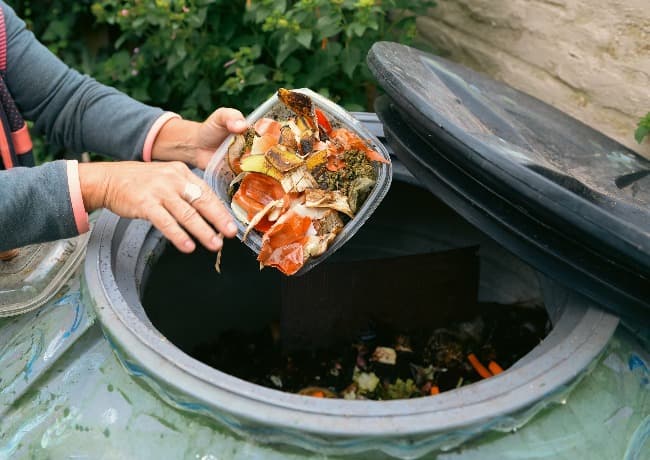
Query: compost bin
65	392
191	304
555	213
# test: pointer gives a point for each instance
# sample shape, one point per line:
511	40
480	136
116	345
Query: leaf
356	28
327	65
257	76
138	22
641	132
202	95
198	19
328	26
56	30
304	38
643	128
177	55
140	92
287	46
373	23
161	88
120	41
173	61
120	61
180	50
354	107
291	65
189	67
256	51
350	60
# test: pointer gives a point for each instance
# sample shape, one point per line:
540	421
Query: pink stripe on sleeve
3	42
74	186
22	141
153	132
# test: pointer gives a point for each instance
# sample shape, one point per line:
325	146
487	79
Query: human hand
194	143
214	130
154	191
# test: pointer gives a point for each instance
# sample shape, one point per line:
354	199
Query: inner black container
195	307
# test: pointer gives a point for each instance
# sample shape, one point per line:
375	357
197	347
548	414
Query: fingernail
216	242
189	245
231	227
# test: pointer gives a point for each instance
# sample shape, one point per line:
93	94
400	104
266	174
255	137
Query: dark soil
424	359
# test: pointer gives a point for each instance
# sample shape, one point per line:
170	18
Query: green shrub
191	56
194	55
643	128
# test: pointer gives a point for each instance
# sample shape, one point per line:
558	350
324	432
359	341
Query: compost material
382	362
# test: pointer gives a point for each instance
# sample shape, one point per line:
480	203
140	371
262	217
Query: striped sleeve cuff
153	133
74	187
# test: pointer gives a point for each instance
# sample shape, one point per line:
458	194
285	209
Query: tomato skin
267	126
350	141
288	259
283	245
335	162
256	191
323	121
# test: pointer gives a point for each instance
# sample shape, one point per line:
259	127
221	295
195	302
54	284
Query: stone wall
589	58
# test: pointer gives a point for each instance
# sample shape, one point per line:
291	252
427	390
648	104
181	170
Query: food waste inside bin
394	314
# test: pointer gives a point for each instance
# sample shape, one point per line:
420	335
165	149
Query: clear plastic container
37	273
219	175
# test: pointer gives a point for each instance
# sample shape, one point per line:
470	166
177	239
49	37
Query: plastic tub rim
167	363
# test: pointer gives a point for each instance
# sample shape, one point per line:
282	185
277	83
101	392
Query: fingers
155	191
213	210
229	119
168	226
175	218
214	130
190	219
200	217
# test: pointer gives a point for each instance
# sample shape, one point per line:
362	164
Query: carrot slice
478	367
495	368
434	390
323	121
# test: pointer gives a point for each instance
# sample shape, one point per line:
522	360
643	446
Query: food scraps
383	363
299	180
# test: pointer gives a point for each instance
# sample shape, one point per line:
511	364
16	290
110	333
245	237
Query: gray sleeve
72	110
35	205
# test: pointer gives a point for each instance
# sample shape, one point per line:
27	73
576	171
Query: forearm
194	143
177	140
36	205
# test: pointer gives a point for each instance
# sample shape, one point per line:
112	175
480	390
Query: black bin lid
570	201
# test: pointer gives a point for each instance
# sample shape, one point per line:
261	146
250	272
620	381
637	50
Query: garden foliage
192	56
643	128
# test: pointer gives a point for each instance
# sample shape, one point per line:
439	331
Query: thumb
227	119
